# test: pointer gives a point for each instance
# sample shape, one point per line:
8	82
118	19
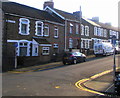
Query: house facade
33	36
72	26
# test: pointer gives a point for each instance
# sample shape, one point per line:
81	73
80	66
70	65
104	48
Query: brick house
31	34
71	25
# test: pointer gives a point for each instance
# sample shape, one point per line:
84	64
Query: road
55	82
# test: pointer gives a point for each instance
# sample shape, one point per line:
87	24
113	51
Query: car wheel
84	59
64	63
74	61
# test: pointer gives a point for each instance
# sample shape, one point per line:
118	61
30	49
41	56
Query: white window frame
95	31
55	45
44	49
82	29
70	43
87	44
87	30
28	47
71	28
105	33
101	30
117	35
34	53
36	26
81	43
27	23
55	32
46	26
77	29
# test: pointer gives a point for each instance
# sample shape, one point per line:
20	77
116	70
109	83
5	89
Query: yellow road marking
80	82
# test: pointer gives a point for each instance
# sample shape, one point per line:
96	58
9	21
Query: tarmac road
57	82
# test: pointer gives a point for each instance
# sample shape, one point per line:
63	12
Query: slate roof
108	26
66	15
91	22
23	10
41	41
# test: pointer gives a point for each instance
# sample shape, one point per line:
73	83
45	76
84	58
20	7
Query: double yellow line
81	83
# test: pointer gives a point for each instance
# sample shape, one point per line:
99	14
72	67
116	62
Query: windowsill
45	54
56	37
23	34
45	35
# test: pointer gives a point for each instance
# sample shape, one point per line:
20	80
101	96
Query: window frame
87	30
46	26
56	34
82	29
36	28
21	21
71	28
45	49
70	43
77	29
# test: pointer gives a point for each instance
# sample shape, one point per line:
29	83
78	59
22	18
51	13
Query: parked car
73	57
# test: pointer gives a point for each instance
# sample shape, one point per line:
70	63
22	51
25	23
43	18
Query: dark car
73	57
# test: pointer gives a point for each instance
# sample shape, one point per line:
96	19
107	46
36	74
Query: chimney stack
49	3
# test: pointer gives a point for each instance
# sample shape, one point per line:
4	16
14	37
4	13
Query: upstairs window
95	31
105	33
55	32
77	29
24	26
82	29
46	30
39	28
102	32
71	28
86	30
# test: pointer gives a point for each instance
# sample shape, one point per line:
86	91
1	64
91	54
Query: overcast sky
106	10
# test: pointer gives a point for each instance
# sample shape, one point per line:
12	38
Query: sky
106	10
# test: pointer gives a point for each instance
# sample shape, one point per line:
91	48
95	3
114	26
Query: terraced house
72	26
32	35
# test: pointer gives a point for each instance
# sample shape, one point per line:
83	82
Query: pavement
100	84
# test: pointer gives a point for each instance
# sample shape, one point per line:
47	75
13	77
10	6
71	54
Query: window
71	28
101	30
81	43
46	30
86	44
95	31
105	33
55	45
45	50
39	28
56	32
24	26
117	35
35	50
70	43
82	29
86	30
99	33
77	29
24	48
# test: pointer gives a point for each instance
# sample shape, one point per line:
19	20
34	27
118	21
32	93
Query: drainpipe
80	29
65	34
